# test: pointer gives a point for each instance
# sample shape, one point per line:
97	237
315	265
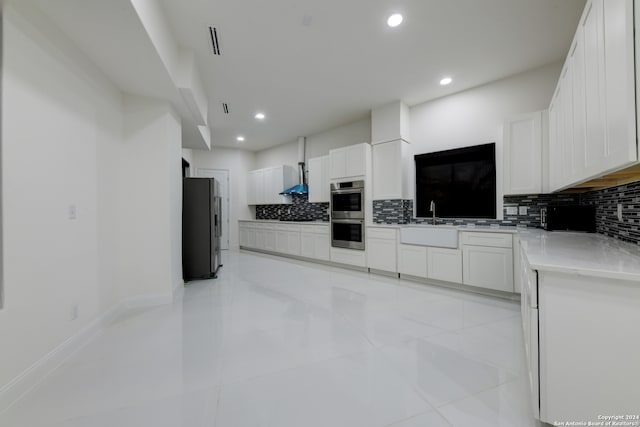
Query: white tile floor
277	343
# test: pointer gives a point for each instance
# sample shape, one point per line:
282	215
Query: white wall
151	192
318	144
62	123
476	116
69	137
238	163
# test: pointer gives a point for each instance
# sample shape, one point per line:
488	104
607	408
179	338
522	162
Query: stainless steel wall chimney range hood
301	187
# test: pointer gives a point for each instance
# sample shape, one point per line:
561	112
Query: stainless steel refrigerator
201	228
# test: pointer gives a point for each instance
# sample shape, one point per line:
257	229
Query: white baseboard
32	376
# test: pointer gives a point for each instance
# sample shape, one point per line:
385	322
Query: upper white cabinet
523	142
349	162
390	122
264	185
390	178
592	114
319	180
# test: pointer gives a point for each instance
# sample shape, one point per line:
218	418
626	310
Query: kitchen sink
430	235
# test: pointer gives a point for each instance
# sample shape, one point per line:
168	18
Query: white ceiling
347	61
111	34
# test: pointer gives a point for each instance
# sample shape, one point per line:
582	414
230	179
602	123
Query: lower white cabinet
488	267
310	241
287	240
580	344
349	257
314	245
412	260
381	249
487	260
269	240
444	264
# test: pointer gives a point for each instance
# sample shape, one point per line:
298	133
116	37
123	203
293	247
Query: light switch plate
72	212
522	210
512	210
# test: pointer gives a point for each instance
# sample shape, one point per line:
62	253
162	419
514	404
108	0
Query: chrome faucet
432	208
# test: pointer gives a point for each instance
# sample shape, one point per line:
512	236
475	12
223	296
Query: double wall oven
347	215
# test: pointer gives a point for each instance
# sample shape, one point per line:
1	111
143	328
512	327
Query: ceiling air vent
225	108
214	40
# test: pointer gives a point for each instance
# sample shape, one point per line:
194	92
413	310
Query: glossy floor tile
274	342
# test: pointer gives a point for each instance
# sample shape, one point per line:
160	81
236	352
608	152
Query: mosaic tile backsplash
401	211
299	210
606	202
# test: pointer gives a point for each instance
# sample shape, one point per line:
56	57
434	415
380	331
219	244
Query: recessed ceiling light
259	116
240	139
446	81
394	20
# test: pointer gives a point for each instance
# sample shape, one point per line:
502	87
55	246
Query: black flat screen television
461	182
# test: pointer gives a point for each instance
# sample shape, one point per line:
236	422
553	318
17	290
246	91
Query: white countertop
586	254
277	221
481	228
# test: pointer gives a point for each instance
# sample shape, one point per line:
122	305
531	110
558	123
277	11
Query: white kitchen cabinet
255	187
269	240
412	260
593	112
260	239
282	242
381	249
390	171
307	245
579	119
315	242
349	162
619	71
566	95
243	235
293	242
487	260
319	185
555	157
264	185
488	267
349	257
590	31
251	238
522	154
444	264
588	346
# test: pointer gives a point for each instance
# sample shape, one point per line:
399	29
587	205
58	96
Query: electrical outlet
75	309
522	210
620	212
512	210
72	211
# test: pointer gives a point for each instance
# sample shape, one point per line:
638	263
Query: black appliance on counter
201	228
568	218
